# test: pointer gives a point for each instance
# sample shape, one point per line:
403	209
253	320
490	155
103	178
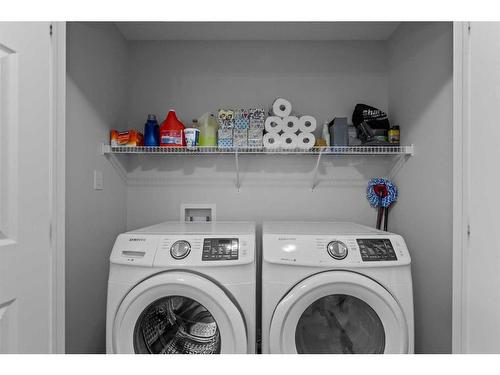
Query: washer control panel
220	249
376	249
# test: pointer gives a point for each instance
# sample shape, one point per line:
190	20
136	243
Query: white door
338	312
178	313
478	315
26	324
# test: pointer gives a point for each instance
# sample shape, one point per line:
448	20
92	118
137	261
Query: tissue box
256	118
255	133
225	138
241	118
240	138
255	143
225	118
225	143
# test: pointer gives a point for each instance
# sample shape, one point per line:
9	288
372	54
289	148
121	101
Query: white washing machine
183	288
335	288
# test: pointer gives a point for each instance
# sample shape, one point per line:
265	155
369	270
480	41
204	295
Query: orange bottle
172	131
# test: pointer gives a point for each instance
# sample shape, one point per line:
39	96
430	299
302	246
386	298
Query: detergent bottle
151	131
208	130
172	131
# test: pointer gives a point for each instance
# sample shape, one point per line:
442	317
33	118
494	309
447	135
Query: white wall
420	100
325	79
96	58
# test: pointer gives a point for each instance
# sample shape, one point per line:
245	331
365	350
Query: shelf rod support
237	170
315	173
400	160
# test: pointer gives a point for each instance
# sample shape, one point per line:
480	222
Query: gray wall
420	100
320	78
410	75
325	79
96	55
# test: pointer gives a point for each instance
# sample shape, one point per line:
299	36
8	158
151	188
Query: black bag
370	121
374	117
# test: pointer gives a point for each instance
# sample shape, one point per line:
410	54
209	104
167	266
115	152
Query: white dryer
335	288
183	288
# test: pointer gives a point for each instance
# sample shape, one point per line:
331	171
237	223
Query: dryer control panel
376	249
342	251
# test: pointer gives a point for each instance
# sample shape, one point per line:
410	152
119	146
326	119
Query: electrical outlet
98	180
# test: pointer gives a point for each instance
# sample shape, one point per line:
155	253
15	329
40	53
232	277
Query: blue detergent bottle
151	131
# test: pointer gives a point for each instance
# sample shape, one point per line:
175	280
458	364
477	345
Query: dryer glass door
178	313
338	312
339	323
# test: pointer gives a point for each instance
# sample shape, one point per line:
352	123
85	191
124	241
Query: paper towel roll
281	107
290	124
271	140
306	141
273	124
289	140
307	124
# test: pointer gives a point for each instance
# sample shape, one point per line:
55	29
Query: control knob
180	249
337	250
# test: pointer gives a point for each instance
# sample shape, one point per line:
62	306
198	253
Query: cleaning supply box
129	138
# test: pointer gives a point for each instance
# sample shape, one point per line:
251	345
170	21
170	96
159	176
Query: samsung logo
287	239
137	239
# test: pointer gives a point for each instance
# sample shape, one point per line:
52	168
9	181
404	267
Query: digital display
220	249
373	250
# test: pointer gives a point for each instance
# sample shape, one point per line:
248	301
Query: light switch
98	180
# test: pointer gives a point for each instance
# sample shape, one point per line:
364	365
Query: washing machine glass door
178	313
338	312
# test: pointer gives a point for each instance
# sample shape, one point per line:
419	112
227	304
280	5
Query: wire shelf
333	150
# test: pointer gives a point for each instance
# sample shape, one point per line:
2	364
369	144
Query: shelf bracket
105	149
400	160
237	170
315	173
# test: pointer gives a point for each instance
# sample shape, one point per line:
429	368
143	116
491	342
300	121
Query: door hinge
468	27
50	30
468	230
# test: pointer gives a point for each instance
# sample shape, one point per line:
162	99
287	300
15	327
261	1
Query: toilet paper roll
281	107
306	141
273	124
307	124
289	140
271	140
290	124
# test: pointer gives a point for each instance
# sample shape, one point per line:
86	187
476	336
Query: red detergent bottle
172	131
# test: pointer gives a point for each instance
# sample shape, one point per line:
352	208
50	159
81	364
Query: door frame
57	178
461	147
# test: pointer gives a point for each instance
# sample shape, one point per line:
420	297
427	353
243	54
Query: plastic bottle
172	131
326	133
151	131
208	130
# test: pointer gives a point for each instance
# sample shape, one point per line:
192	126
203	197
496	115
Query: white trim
461	75
58	181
